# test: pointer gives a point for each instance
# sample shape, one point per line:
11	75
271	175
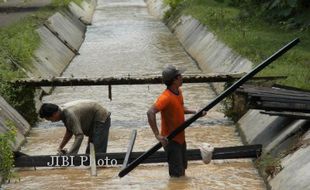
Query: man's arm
151	115
188	111
65	140
74	124
77	143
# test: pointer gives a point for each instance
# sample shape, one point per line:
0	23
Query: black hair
48	109
169	83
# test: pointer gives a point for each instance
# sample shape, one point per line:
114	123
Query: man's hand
163	140
62	151
203	113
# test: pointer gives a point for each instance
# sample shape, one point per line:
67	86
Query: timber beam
117	158
130	147
132	80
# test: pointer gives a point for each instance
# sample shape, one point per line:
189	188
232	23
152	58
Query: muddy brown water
125	40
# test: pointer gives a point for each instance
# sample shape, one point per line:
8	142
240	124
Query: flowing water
124	40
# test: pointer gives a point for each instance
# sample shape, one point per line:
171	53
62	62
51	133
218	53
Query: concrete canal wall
211	54
281	135
61	37
277	134
9	115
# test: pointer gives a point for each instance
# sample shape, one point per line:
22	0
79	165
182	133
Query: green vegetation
64	3
268	165
6	154
17	45
255	37
18	42
289	13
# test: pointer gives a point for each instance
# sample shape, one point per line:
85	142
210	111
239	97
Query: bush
20	97
268	165
64	3
6	154
289	13
173	3
17	44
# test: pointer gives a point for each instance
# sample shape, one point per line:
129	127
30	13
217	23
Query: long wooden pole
132	80
92	157
130	147
218	99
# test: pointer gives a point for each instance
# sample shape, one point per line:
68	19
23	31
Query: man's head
50	112
170	74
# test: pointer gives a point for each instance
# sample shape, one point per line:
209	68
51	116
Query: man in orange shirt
171	106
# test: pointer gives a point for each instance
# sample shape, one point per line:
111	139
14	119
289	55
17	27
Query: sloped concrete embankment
9	114
280	135
277	134
211	54
61	37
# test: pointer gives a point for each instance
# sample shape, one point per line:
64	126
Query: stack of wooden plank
278	100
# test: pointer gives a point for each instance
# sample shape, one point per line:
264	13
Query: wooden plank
262	89
130	147
273	99
214	102
285	100
258	99
105	159
92	156
287	106
275	91
274	95
295	115
288	97
132	80
276	106
283	87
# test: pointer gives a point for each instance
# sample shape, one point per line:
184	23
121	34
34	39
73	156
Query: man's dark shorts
177	159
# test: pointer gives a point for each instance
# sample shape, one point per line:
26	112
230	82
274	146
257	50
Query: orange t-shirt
171	107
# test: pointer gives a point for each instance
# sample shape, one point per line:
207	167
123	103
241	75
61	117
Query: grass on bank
64	3
18	43
6	154
254	39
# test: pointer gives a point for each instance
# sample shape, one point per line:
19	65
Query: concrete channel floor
12	11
